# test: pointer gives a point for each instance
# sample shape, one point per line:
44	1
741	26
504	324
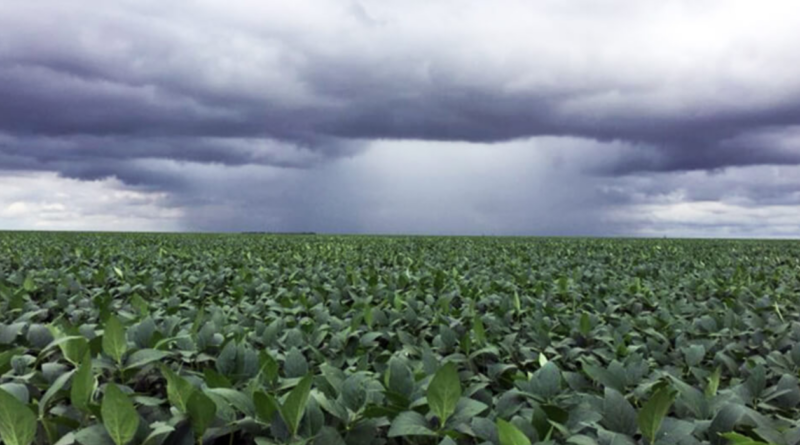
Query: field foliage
188	339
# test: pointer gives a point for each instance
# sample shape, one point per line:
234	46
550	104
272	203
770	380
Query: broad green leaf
179	390
5	358
674	431
158	429
28	284
546	382
53	390
18	390
266	406
226	361
201	410
444	391
329	436
354	392
119	415
466	410
401	380
17	422
83	385
73	348
144	357
653	412
510	435
295	404
237	399
93	435
694	399
585	324
618	414
215	380
114	343
757	381
269	366
296	364
694	354
724	422
39	336
410	423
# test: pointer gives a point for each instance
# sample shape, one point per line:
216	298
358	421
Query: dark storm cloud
506	117
85	86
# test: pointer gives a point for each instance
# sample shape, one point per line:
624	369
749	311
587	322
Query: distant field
242	338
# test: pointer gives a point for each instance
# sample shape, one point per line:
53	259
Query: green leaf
18	390
674	431
53	390
179	390
546	382
653	412
296	364
410	423
478	329
17	422
93	435
269	366
158	429
580	439
354	392
466	410
226	361
266	406
725	420
329	436
201	410
692	397
119	416
114	343
28	284
510	435
215	380
237	399
694	354
738	439
444	391
295	404
585	324
5	359
83	385
618	414
73	348
401	380
757	381
39	336
144	357
713	383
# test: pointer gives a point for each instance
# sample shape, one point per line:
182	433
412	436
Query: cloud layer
265	106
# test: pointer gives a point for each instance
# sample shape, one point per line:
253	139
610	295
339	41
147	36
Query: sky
511	117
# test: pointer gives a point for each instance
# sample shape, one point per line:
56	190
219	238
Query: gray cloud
275	107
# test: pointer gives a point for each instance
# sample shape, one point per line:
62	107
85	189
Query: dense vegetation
111	338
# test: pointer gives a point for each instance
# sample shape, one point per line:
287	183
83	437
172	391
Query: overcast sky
531	117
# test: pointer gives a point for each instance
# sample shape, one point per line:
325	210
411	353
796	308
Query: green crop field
182	339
